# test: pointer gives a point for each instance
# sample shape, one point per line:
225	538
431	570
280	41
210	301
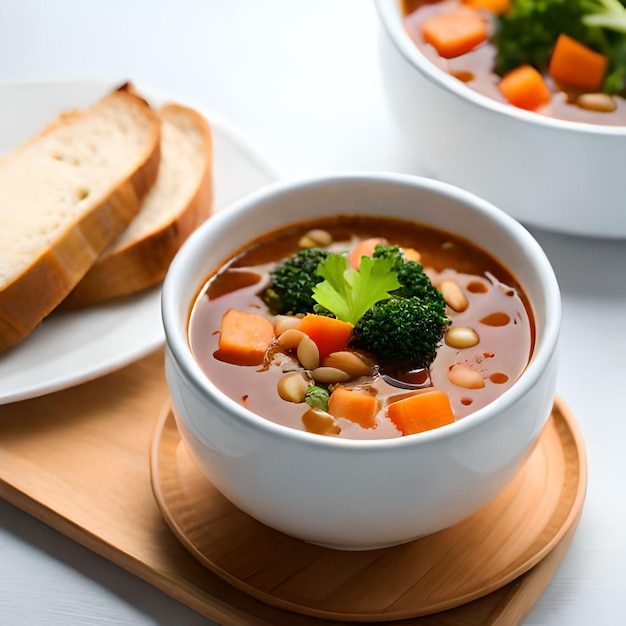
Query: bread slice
180	200
65	194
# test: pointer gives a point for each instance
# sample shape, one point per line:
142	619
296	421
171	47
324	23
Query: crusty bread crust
28	297
135	265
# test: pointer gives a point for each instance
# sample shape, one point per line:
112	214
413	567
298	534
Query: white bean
330	375
315	237
285	322
308	353
291	339
453	295
466	377
349	362
599	102
292	387
316	421
461	337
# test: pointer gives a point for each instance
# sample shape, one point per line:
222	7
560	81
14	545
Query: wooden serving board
79	460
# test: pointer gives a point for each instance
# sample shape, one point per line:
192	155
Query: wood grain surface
79	460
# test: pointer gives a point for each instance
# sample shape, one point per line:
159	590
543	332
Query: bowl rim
176	338
390	17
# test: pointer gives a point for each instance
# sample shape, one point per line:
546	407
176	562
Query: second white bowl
551	173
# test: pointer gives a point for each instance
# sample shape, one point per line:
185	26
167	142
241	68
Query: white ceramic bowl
550	173
354	494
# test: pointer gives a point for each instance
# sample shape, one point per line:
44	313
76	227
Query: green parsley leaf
348	293
609	14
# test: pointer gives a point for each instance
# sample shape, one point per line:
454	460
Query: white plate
72	347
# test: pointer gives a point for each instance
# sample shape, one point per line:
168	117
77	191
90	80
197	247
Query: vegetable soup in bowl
521	102
361	360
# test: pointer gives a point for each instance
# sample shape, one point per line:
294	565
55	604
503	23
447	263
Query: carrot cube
576	65
497	7
244	338
328	333
525	88
365	247
354	404
454	32
422	411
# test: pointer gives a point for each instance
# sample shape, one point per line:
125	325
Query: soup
483	344
556	91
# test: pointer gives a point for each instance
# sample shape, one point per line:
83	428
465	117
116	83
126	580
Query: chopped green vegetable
348	293
528	32
317	397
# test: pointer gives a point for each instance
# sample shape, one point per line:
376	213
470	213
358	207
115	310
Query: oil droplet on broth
496	319
498	378
475	286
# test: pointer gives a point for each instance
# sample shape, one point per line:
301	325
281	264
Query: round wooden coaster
441	571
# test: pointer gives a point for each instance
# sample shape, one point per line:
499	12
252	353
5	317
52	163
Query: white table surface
300	80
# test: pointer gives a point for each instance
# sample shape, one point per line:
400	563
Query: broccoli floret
291	283
390	252
403	333
413	281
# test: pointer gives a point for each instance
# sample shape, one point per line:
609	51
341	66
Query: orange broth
498	311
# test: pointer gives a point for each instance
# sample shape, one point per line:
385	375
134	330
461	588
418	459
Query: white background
300	80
